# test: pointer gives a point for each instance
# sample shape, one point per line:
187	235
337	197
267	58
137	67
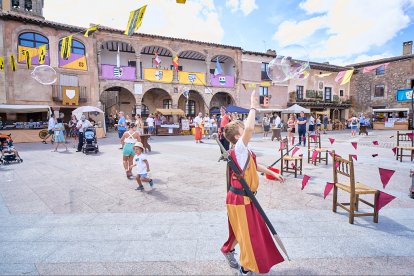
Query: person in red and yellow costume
258	252
198	124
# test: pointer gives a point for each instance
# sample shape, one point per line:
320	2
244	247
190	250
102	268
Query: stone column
98	53
208	62
138	66
21	5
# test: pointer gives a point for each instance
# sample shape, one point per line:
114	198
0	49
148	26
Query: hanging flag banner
1	64
91	30
354	144
34	54
157	60
295	150
314	156
404	95
328	188
28	59
158	75
135	20
344	77
305	181
385	175
218	70
65	49
384	199
248	85
191	78
42	51
332	140
374	67
394	150
265	83
175	63
13	64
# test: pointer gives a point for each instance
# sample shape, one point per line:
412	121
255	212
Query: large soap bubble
291	63
44	74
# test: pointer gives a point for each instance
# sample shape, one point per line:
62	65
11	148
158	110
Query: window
265	66
77	59
28	5
144	109
167	104
264	92
328	94
77	47
299	92
380	70
341	93
30	41
15	4
379	90
190	108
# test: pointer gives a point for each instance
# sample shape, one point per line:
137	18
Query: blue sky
338	31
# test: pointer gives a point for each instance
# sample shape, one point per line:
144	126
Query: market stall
170	126
391	118
23	122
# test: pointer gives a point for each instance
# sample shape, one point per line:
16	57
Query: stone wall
397	75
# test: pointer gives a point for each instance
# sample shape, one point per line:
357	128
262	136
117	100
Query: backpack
354	122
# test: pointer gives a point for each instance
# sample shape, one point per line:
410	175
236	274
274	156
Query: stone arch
143	46
154	98
117	98
227	63
199	101
221	98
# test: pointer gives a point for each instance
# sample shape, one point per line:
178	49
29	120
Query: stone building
378	89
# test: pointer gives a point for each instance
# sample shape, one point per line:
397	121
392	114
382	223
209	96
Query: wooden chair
355	189
286	159
408	145
316	145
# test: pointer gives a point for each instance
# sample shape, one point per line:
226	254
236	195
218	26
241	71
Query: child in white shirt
143	169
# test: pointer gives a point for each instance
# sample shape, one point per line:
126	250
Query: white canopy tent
296	109
23	108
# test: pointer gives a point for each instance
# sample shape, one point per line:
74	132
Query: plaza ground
70	213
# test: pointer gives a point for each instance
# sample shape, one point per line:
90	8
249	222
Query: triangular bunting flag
282	146
28	59
375	143
91	30
394	150
332	140
375	155
1	64
328	188
337	164
354	144
305	181
13	64
42	50
385	175
293	166
295	150
384	199
314	155
293	140
354	156
313	136
410	135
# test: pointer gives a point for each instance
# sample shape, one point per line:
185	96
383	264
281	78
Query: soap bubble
291	63
44	74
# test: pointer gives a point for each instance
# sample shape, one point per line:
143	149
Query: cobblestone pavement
70	213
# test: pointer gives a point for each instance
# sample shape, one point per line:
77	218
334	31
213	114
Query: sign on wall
404	95
138	89
70	95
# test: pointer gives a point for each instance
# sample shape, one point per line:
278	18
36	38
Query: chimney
407	48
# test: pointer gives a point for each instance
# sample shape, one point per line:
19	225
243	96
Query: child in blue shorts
143	169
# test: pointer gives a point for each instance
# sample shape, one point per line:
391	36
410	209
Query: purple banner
111	72
72	58
222	80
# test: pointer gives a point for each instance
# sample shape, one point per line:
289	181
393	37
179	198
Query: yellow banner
66	48
2	64
21	57
265	83
42	50
191	78
158	75
13	64
78	64
28	59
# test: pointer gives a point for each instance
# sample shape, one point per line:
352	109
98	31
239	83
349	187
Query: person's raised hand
254	100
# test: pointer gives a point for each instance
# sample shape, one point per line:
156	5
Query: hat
139	144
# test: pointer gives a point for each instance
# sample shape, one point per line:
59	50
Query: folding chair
316	145
355	189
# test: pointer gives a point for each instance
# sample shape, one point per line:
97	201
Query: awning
391	110
296	109
23	108
170	112
231	109
264	110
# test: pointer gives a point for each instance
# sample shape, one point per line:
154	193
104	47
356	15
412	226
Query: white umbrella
296	109
84	109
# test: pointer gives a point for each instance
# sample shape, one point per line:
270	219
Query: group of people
355	123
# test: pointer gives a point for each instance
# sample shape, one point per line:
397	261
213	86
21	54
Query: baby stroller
90	143
8	152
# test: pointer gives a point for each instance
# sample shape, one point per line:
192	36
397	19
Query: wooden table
23	135
144	141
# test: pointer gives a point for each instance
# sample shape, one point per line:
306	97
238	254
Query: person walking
73	131
301	122
207	126
59	134
311	123
122	125
128	140
277	121
291	128
198	124
325	123
82	125
258	252
150	123
50	126
266	125
139	124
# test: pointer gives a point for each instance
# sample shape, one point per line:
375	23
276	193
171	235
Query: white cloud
359	58
353	27
196	20
246	6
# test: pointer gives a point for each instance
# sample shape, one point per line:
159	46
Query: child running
143	169
258	252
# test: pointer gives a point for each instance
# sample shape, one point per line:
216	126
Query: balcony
265	77
57	93
111	72
222	81
315	99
